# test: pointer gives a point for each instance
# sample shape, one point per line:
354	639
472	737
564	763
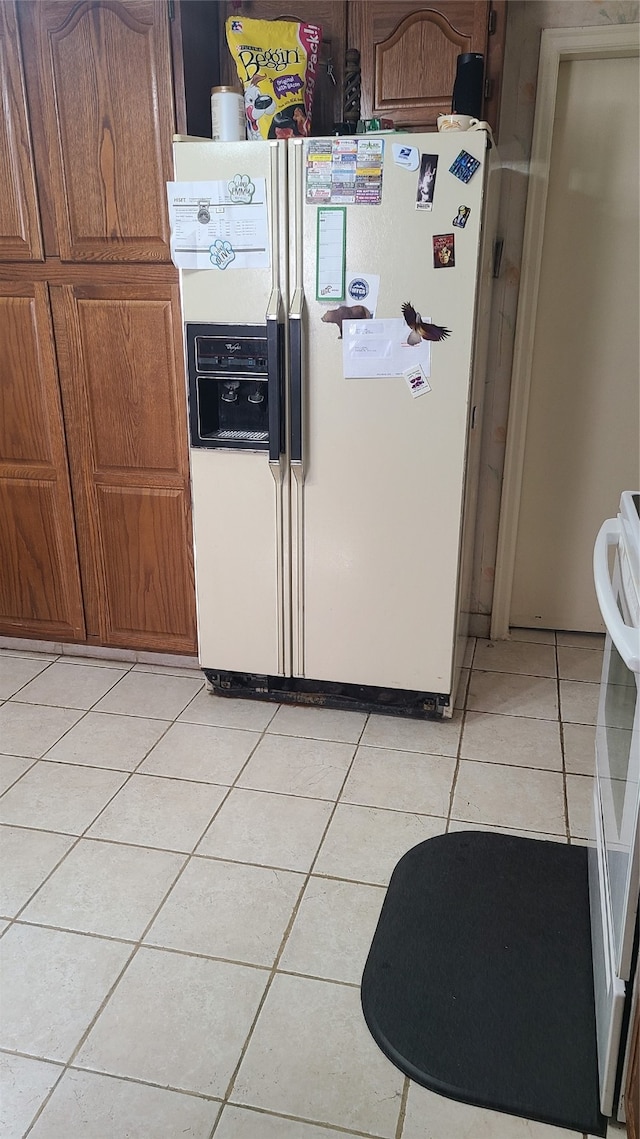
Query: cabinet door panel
120	352
40	592
144	565
103	98
19	221
408	54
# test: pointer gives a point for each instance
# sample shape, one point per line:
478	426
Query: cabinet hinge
492	22
172	9
488	89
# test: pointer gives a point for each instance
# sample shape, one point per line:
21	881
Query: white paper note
330	253
219	225
376	349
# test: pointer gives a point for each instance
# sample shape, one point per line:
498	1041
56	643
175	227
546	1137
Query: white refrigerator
334	447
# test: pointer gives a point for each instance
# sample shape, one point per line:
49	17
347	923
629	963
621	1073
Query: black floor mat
479	983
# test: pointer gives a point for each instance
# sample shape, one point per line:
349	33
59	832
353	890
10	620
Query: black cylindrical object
469	84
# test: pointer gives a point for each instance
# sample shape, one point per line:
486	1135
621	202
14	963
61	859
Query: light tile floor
190	886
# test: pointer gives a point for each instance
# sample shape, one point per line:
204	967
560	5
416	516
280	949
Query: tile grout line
565	792
254	1109
456	769
287	931
42	671
403	1108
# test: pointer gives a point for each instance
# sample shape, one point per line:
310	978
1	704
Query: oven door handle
625	638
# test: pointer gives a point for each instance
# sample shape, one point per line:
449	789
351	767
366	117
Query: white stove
629	544
614	859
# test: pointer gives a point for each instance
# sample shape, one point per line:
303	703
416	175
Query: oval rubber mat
479	984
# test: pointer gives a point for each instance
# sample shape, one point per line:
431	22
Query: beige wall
525	19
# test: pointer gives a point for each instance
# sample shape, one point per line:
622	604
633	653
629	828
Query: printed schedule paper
219	224
331	253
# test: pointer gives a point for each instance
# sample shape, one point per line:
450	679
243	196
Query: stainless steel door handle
296	397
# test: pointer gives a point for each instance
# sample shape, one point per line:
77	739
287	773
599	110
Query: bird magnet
426	181
462	217
444	251
421	329
464	166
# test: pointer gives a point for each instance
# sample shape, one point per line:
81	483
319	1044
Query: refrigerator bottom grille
329	694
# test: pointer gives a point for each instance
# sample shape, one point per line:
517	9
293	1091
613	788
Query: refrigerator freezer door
377	506
239	515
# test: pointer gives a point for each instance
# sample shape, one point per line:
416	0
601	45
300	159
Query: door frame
556	45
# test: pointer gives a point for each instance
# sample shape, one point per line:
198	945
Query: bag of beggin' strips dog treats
277	63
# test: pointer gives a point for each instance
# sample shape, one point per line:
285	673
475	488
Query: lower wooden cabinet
93	376
40	592
121	374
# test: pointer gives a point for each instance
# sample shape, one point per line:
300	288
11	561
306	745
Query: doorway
573	425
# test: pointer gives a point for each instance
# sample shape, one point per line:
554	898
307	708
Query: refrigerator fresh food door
240	519
377	495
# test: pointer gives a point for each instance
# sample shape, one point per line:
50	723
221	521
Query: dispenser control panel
228	386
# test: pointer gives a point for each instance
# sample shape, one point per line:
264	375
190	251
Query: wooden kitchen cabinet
95	533
102	112
408	53
19	218
121	370
40	591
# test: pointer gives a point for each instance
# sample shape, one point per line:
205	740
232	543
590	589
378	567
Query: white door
377	498
582	427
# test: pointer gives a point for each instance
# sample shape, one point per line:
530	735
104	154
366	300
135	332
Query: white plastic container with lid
228	122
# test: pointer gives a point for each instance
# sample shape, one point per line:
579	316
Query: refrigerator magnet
331	253
444	252
406	156
422	329
426	181
462	217
417	381
464	166
363	289
345	312
221	253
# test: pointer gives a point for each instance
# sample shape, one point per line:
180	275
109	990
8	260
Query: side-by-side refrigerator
336	327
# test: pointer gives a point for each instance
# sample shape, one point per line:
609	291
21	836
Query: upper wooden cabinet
408	54
100	91
19	219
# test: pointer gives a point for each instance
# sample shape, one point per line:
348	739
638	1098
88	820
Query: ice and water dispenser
234	386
